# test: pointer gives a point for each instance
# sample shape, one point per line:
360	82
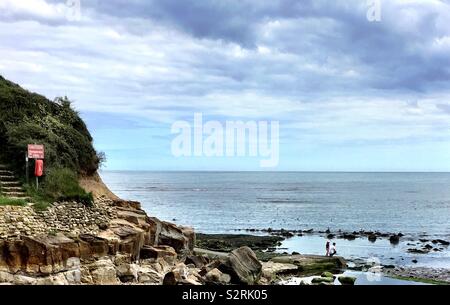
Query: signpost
36	152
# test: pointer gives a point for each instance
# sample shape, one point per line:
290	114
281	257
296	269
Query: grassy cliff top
28	118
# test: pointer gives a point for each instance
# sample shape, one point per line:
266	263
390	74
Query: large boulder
243	266
182	239
347	280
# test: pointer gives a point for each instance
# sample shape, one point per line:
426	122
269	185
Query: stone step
14	194
3	166
9	183
27	199
6	172
7	177
11	188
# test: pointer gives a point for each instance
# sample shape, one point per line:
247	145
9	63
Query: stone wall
71	217
16	221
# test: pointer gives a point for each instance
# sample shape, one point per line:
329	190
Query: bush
61	184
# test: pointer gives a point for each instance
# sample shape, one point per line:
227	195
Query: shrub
61	184
27	118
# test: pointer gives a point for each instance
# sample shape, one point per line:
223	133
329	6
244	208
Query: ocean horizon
225	201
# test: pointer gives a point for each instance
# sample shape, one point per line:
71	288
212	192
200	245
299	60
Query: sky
350	93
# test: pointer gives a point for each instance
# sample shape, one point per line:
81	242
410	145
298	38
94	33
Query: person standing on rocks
327	248
333	249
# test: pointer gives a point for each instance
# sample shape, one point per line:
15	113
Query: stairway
9	185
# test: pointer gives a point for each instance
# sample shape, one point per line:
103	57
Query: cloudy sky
350	94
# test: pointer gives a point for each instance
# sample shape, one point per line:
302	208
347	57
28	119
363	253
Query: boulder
317	280
243	266
182	239
217	277
372	237
327	274
347	280
394	239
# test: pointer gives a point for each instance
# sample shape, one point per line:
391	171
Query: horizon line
271	171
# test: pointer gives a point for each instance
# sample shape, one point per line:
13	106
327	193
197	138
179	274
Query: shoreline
267	248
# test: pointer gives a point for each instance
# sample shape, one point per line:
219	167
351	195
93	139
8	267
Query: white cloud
321	75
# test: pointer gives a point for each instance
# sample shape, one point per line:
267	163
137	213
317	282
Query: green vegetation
61	184
10	201
27	118
41	206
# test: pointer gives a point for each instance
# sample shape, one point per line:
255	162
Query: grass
14	202
60	184
41	206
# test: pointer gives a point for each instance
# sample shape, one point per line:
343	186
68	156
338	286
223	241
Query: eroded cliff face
95	185
112	242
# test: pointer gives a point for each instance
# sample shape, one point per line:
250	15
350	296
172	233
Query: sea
415	204
221	202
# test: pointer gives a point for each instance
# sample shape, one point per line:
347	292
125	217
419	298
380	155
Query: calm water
214	202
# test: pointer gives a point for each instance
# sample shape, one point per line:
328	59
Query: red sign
35	151
39	168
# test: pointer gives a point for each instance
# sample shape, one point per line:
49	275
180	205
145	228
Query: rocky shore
116	242
416	245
